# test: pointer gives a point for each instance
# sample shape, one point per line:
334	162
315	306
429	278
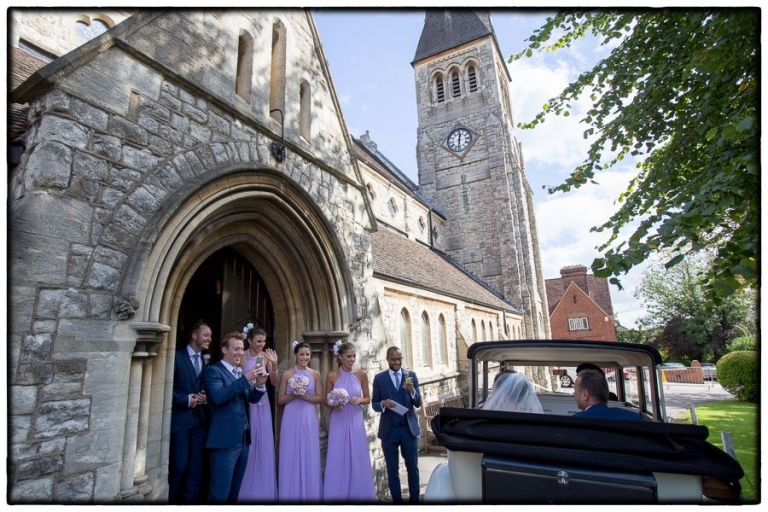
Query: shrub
748	342
737	372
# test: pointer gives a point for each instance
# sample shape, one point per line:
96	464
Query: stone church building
172	166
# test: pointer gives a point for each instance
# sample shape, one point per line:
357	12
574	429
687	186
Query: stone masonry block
139	159
23	399
169	101
62	304
39	490
25	451
82	457
126	129
19	427
65	131
49	166
129	219
107	146
90	167
57	101
148	122
159	111
123	179
62	417
36	347
75	489
37	467
141	200
90	115
168	176
104	277
101	306
110	257
160	146
61	391
33	373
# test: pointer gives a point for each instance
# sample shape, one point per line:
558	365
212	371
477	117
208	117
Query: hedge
738	372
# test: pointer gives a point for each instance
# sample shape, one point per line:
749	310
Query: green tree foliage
738	373
685	324
679	93
748	342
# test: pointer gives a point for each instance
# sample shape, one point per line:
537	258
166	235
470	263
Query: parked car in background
668	366
709	370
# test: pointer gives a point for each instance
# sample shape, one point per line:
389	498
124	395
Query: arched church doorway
226	292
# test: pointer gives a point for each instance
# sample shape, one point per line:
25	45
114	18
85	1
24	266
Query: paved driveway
679	397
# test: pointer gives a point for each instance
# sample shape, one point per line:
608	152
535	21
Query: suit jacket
615	413
186	382
228	399
383	389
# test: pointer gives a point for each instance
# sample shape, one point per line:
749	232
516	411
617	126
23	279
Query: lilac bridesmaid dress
348	477
299	465
260	480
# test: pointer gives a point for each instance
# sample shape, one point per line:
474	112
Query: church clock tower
470	163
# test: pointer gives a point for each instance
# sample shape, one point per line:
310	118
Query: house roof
446	29
20	67
399	259
598	291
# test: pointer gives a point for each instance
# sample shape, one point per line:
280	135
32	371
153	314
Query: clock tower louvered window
455	84
440	87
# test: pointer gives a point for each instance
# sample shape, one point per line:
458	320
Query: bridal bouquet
338	396
298	384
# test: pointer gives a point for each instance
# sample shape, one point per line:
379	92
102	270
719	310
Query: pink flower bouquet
338	396
298	384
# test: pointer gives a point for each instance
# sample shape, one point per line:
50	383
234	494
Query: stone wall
114	149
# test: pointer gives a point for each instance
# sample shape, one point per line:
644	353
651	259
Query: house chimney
575	274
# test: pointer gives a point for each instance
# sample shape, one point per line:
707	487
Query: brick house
580	306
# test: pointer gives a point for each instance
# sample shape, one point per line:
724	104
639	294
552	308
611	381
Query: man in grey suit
393	387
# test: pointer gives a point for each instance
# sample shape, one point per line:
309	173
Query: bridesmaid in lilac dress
348	476
299	477
260	481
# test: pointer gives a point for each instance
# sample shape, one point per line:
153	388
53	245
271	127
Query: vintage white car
500	457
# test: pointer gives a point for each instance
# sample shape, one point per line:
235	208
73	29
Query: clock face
459	140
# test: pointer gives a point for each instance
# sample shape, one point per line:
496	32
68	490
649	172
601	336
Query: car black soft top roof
588	442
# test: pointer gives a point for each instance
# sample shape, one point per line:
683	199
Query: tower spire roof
446	29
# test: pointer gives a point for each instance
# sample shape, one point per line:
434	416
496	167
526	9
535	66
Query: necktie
197	363
236	372
397	380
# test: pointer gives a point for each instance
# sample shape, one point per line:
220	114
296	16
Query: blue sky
370	53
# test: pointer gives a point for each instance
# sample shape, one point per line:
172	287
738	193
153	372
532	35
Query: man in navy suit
189	419
391	388
591	394
229	391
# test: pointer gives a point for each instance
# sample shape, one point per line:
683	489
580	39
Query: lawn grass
741	420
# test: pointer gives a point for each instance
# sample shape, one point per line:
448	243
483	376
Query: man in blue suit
591	394
189	419
392	388
229	391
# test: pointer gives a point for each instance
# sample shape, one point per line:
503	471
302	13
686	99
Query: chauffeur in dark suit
229	391
189	419
591	394
391	387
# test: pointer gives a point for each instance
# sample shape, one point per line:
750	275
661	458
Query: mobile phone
259	360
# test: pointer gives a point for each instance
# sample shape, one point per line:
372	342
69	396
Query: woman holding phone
260	482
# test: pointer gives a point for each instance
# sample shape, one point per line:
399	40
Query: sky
370	52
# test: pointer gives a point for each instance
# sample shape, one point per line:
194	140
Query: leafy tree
747	342
686	325
679	92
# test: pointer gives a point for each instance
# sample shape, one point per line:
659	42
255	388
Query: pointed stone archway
279	230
